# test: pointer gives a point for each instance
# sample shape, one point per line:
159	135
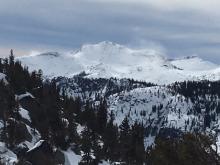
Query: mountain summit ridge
107	59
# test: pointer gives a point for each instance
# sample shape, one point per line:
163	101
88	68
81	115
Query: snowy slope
108	59
3	78
158	108
155	107
138	103
193	63
171	111
71	158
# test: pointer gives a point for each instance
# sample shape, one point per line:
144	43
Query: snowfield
107	59
154	107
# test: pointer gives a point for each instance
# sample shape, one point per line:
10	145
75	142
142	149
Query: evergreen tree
11	58
1	66
110	139
88	116
125	141
102	117
137	144
86	147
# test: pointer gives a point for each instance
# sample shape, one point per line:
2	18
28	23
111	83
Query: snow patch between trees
22	96
71	158
24	114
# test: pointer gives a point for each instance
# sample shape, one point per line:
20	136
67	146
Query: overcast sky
179	27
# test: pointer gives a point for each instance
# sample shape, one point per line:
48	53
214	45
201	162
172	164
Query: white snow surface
137	104
3	78
80	128
24	114
71	158
193	63
7	156
27	94
38	144
141	100
107	59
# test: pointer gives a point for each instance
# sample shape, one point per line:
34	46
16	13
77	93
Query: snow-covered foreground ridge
107	59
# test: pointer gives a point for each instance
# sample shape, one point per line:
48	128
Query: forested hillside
89	121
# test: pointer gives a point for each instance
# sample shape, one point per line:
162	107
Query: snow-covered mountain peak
104	44
102	48
107	59
107	52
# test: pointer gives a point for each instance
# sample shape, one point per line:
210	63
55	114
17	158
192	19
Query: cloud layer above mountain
180	27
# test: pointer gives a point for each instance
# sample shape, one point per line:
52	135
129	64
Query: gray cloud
179	28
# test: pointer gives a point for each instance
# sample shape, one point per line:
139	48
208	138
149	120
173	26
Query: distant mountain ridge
107	59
